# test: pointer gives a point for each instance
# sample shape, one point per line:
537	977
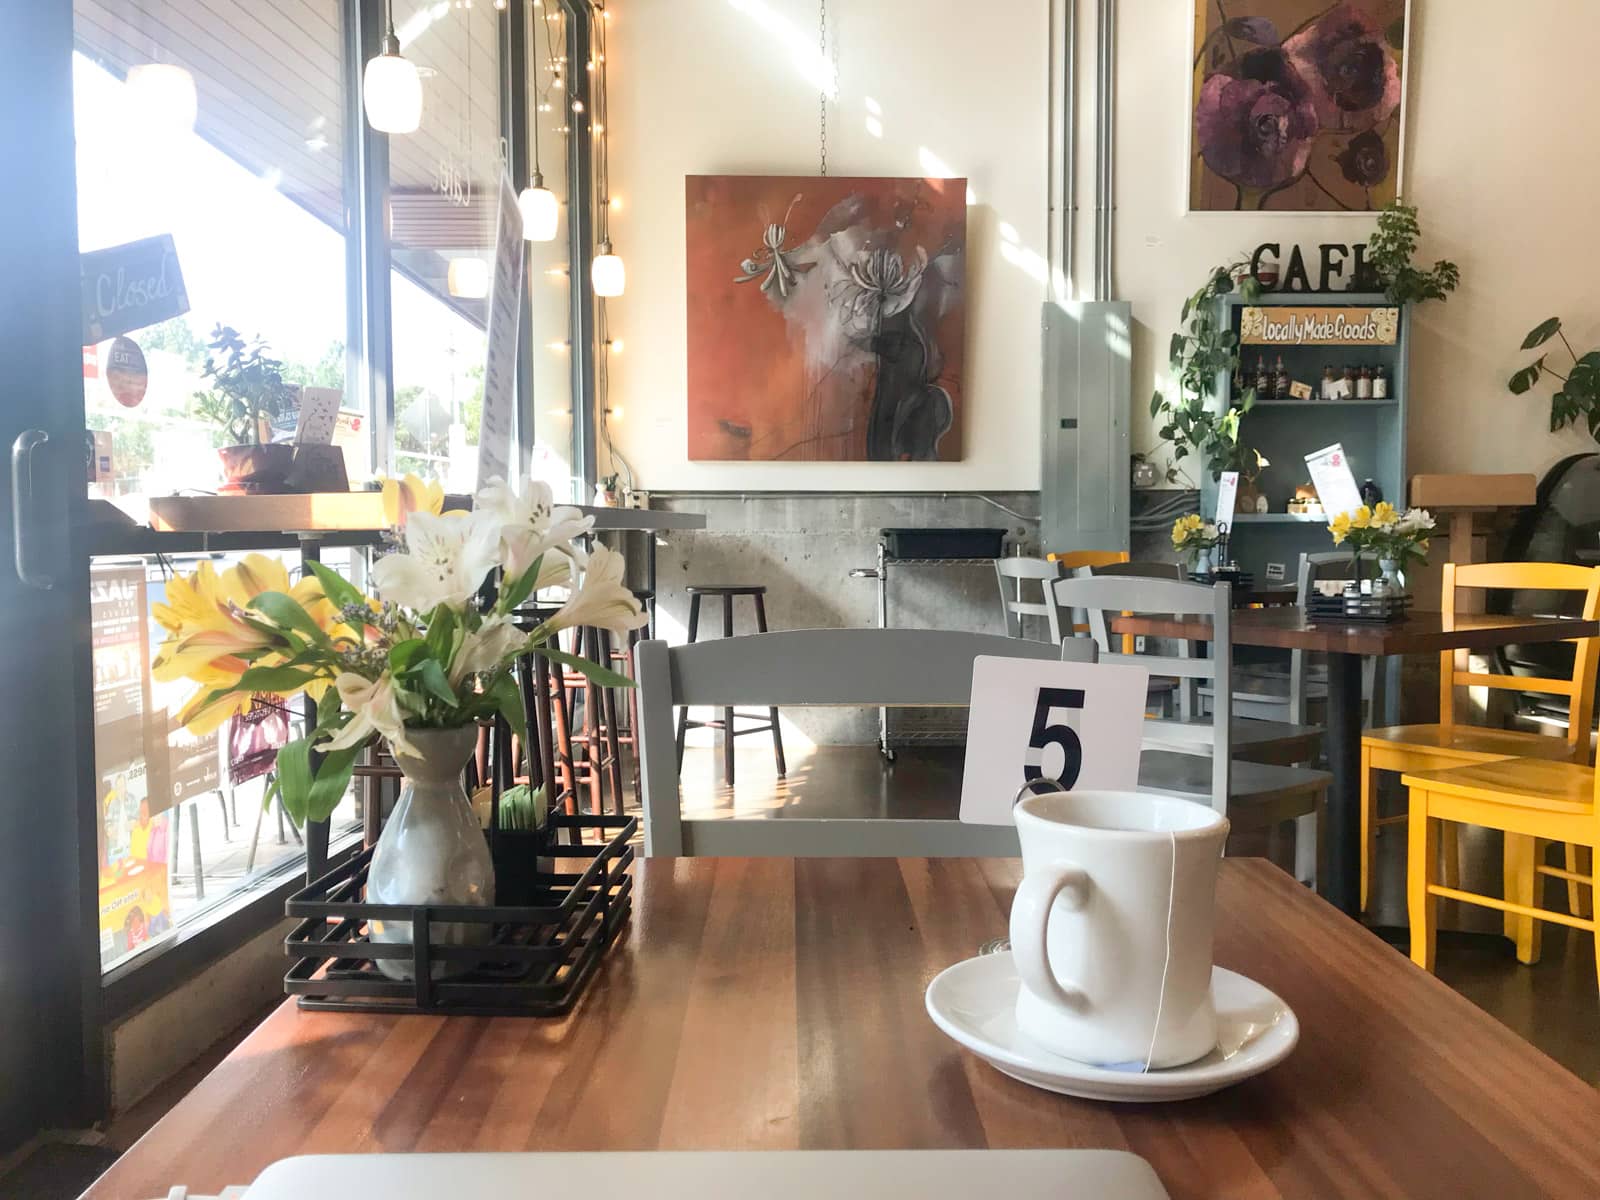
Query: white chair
850	667
1025	592
1257	740
1252	795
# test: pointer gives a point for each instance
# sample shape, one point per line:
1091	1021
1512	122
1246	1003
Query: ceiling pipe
1105	147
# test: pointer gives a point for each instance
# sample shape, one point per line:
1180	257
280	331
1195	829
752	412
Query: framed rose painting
1297	105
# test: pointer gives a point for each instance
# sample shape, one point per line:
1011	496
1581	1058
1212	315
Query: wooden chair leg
1422	857
1580	897
1450	853
1524	851
1369	824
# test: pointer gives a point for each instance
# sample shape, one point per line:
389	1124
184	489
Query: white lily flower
602	601
530	524
486	648
374	708
445	561
1416	520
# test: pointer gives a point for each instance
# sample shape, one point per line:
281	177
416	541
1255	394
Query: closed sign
130	286
1076	724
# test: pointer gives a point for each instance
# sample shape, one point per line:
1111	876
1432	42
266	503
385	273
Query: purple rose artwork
1297	105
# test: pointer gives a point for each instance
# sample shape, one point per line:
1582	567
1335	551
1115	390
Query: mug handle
1030	922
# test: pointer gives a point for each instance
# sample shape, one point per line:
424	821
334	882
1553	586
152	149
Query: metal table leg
1342	887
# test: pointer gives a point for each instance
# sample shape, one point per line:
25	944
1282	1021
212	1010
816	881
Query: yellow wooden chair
1532	801
1418	748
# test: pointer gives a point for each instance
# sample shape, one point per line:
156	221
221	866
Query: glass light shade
392	90
540	214
165	93
608	273
468	278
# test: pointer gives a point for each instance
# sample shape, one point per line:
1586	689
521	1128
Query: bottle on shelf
1264	382
1364	384
1380	383
1347	384
1330	385
1281	381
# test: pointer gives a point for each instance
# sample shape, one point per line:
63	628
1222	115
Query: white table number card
1227	497
1076	723
1336	486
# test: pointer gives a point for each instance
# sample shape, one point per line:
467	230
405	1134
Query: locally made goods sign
1319	326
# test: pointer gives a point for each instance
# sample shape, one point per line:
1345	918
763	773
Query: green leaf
507	699
294	778
430	677
1525	378
1155	404
440	638
1250	289
335	586
286	612
604	676
1542	333
401	654
1175	348
331	780
521	588
274	679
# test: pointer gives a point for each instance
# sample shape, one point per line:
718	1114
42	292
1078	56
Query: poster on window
134	860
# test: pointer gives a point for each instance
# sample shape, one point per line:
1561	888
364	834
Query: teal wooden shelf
1387	402
1272	518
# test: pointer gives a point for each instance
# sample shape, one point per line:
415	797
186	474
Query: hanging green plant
1579	393
1200	352
1388	259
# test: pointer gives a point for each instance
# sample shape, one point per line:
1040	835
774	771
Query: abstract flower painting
825	318
1297	105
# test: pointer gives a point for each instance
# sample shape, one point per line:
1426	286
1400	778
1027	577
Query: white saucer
975	1003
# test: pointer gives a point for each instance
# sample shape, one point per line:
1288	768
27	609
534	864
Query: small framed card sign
1076	723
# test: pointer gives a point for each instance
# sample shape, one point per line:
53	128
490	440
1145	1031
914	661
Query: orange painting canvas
826	318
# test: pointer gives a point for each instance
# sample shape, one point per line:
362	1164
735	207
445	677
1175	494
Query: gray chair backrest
1025	592
1118	594
854	667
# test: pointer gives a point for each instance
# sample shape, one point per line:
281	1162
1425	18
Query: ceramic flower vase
432	850
1391	574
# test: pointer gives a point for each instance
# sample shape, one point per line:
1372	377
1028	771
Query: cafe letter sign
1318	325
130	286
1077	724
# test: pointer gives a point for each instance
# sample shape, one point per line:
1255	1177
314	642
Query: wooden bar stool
728	593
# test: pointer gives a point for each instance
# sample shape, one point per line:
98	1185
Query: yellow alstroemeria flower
402	497
1339	527
1384	515
1361	518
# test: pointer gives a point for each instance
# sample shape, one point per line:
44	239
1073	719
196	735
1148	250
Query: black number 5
1045	734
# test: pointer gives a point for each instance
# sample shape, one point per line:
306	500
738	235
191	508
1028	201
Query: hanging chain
822	108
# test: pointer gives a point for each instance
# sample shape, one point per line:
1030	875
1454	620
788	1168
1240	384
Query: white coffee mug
1111	928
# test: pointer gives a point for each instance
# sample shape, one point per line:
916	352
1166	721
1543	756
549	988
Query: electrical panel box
1084	473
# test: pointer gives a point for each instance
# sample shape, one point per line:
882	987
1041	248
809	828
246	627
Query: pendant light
166	94
392	88
467	278
608	273
541	213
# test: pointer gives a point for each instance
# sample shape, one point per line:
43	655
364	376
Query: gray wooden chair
1025	592
1253	795
1164	695
848	667
1189	732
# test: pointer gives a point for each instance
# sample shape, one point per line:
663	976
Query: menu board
505	318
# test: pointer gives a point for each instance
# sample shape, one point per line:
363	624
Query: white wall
730	87
1503	163
1501	157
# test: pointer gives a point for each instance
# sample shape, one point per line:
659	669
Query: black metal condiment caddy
539	953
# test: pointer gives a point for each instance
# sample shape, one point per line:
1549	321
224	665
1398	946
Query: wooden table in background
1346	643
777	1004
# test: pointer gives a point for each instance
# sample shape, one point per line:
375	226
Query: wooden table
777	1004
1346	643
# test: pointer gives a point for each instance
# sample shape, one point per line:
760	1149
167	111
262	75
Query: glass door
48	975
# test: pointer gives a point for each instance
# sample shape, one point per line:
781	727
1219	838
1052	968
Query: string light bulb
391	88
614	345
609	275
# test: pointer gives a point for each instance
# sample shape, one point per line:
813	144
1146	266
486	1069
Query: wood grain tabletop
1289	628
777	1003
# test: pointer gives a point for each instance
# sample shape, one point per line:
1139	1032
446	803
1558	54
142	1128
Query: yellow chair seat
1468	743
1558	788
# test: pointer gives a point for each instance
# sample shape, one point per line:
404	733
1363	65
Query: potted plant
1201	352
1388	260
606	492
248	392
1386	534
1579	393
418	665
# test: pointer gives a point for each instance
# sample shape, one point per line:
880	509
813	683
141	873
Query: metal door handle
22	522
